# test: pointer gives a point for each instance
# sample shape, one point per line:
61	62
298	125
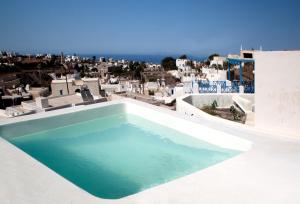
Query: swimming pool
114	151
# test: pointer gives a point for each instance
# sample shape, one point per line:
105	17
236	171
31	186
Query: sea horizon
150	58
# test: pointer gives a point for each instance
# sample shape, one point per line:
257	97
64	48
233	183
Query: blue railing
206	87
211	87
248	87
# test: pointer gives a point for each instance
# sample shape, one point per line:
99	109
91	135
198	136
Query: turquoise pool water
119	155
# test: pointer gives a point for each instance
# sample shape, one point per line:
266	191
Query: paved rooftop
268	173
65	100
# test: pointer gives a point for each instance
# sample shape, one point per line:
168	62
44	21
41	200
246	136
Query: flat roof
72	79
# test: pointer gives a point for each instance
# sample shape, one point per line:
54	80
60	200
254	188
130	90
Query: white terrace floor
268	173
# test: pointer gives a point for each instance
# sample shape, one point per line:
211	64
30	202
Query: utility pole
39	77
66	68
61	57
67	83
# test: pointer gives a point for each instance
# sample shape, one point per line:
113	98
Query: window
248	55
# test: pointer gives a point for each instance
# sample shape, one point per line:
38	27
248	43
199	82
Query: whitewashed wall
58	85
277	91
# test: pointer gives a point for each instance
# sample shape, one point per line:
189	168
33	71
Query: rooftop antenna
61	57
260	48
241	47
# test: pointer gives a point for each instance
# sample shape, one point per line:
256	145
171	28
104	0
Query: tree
169	63
139	69
191	64
133	66
211	57
76	67
135	69
183	57
225	65
206	62
116	70
53	60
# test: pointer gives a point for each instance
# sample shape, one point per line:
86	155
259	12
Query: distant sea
142	58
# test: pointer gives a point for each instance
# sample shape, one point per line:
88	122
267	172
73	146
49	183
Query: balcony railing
212	86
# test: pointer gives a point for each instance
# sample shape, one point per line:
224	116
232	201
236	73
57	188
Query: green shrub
236	115
208	109
214	105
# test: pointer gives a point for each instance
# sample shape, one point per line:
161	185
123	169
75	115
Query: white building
182	65
213	74
60	87
71	58
133	86
233	56
102	59
277	91
49	56
174	73
152	67
217	60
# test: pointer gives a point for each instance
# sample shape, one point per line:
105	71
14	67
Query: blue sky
196	27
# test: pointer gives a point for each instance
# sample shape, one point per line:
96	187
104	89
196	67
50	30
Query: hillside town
44	82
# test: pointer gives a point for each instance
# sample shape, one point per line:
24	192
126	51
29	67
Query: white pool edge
155	114
198	131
